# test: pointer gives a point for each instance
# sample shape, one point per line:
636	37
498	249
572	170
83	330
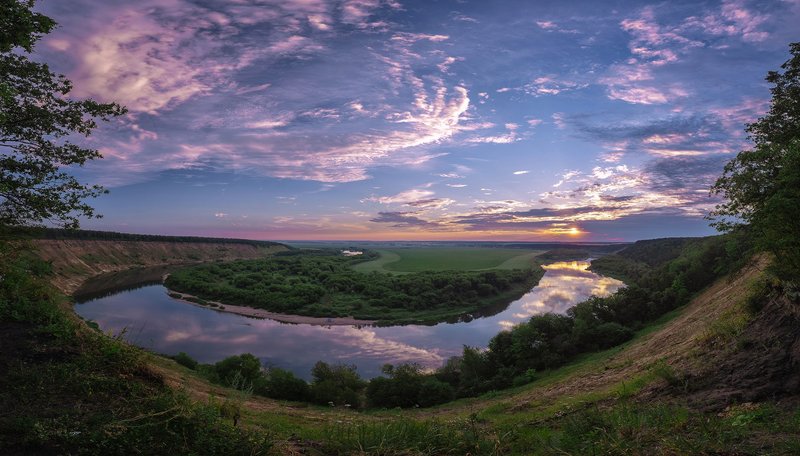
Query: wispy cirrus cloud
551	85
415	197
405	197
154	58
658	42
734	18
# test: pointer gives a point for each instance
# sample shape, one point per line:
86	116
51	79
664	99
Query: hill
77	255
716	376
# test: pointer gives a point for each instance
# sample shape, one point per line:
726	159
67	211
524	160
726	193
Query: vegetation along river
149	318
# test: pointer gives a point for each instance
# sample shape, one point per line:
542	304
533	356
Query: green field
403	260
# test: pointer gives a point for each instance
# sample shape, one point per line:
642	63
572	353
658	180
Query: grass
448	259
386	256
68	389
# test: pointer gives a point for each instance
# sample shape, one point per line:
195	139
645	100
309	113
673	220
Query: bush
282	384
433	391
407	386
242	371
610	334
185	360
337	384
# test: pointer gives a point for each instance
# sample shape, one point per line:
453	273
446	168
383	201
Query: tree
36	120
239	370
760	186
337	384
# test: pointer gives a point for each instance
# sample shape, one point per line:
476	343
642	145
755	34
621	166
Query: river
145	316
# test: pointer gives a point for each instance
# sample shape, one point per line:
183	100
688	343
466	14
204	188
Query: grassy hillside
66	389
717	376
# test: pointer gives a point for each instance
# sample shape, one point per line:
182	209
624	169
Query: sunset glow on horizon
416	120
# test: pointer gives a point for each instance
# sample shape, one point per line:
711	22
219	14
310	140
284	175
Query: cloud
551	85
211	70
402	220
360	12
431	203
456	16
158	54
405	197
734	18
410	38
510	136
546	25
517	173
652	46
138	62
551	26
268	124
671	136
566	177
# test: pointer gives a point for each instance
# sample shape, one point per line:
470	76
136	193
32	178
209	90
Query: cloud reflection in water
153	320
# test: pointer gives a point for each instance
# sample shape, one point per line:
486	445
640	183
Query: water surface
151	319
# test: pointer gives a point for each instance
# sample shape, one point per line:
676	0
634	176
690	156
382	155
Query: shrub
338	384
185	360
282	384
244	370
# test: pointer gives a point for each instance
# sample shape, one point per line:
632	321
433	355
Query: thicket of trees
323	283
761	186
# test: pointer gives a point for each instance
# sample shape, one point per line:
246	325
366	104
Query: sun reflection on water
564	284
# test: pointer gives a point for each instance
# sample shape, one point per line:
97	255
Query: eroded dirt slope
75	261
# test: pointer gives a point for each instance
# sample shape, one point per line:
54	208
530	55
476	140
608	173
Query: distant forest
91	235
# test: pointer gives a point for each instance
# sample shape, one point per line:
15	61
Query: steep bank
75	261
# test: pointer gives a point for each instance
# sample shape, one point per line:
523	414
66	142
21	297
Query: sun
574	231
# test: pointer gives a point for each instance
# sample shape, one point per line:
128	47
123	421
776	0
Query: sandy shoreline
283	318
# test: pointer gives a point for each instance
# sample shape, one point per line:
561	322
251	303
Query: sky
417	120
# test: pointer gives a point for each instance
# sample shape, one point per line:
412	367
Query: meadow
405	260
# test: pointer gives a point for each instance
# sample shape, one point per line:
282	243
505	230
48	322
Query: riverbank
260	313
